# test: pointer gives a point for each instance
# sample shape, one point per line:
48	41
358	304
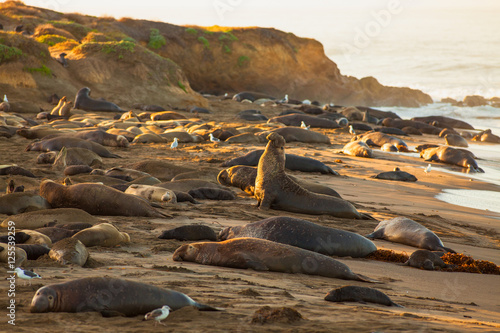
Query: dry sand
432	300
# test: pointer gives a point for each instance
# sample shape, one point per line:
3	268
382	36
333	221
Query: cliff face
121	56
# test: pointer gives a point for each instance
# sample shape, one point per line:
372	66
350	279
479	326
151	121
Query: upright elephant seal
83	101
274	189
406	231
359	294
264	255
103	234
304	234
109	296
69	251
96	199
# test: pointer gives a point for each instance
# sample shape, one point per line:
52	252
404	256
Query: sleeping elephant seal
6	252
274	189
396	175
152	193
69	251
191	232
20	202
359	294
455	140
405	231
109	296
450	155
96	199
379	139
243	177
56	234
357	148
57	143
426	259
298	134
304	234
104	234
264	255
83	101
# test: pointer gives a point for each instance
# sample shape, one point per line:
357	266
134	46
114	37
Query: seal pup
274	189
359	294
264	255
125	297
426	259
83	101
406	231
158	315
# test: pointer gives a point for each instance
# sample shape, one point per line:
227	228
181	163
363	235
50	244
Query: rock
475	100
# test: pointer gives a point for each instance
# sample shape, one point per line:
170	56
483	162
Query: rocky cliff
155	62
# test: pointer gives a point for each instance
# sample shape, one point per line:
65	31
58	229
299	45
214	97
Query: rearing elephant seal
264	255
274	189
406	231
83	101
109	296
304	234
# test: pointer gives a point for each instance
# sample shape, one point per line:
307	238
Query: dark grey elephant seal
191	232
57	143
426	259
274	189
444	121
16	170
292	162
243	177
56	234
96	199
83	101
34	251
359	294
304	234
450	155
264	255
405	231
396	175
109	296
211	194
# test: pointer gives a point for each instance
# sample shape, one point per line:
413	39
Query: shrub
156	40
7	53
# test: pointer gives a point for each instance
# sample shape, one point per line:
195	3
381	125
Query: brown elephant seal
40	218
69	251
296	119
486	136
76	156
103	234
211	194
15	170
96	199
426	259
121	173
109	296
304	234
37	132
166	115
55	110
98	136
297	134
77	226
83	101
152	193
76	170
379	139
6	252
450	155
264	255
292	162
398	175
20	202
274	189
57	143
357	148
46	158
37	238
56	234
455	140
34	251
359	294
406	231
244	138
444	121
162	170
208	174
191	232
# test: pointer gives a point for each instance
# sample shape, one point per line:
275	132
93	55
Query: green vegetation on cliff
44	70
156	40
8	53
51	40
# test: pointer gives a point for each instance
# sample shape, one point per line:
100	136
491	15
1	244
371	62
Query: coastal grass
204	41
44	70
243	60
51	40
9	53
156	40
182	86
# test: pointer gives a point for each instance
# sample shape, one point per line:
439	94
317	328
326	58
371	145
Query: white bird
213	138
306	101
304	126
174	144
158	315
351	130
5	99
26	275
428	169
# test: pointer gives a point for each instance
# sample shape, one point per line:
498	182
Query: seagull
26	275
351	130
284	100
158	314
306	101
5	99
304	126
213	138
428	169
174	144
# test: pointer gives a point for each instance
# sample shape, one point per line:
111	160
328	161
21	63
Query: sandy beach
431	300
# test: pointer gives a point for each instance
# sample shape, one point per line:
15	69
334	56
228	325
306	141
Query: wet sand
432	300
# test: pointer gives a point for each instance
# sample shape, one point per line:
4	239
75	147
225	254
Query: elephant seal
298	134
406	231
56	234
274	189
40	218
34	251
486	136
19	237
246	137
6	254
72	225
304	234
109	296
83	101
191	232
426	259
119	172
37	238
243	177
20	202
444	121
57	143
359	294
76	170
450	155
292	162
379	139
264	255
166	115
69	251
357	148
15	170
296	119
96	199
186	185
211	194
76	156
455	140
103	234
152	193
162	170
98	136
396	175
388	147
